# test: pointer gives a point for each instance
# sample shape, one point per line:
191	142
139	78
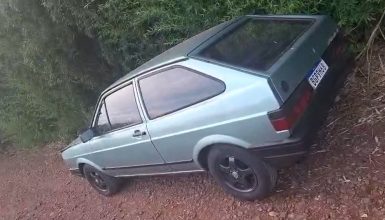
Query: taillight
285	117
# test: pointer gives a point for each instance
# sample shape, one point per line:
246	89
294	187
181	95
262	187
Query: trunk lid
298	61
281	48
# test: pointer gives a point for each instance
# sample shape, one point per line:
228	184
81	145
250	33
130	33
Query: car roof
174	54
181	51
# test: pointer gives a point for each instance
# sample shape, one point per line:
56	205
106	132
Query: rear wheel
104	184
240	173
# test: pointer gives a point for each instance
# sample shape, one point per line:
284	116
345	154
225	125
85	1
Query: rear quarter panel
237	116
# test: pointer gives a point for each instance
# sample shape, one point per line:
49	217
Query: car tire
104	184
240	173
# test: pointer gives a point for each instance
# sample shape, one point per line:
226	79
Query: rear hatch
302	58
282	48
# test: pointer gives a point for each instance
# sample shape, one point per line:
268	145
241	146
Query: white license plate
317	74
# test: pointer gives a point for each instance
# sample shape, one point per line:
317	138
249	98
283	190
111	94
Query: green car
239	100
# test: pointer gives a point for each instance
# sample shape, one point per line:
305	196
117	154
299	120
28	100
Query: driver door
122	146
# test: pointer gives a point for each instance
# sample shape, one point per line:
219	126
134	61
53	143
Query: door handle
138	133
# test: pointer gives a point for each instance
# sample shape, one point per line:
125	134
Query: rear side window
177	88
257	43
118	110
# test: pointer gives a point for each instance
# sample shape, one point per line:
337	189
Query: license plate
317	73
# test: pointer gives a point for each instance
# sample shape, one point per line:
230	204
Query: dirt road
343	178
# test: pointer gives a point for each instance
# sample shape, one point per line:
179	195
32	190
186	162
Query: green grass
56	56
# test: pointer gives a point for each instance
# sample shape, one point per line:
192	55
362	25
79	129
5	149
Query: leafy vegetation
56	56
133	31
48	81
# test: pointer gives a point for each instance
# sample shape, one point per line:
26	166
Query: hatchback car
239	100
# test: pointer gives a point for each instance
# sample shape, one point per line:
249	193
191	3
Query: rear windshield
257	43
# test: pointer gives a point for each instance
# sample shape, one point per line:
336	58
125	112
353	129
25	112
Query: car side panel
239	113
118	153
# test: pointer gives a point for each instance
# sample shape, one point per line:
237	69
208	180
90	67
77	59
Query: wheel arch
82	161
202	148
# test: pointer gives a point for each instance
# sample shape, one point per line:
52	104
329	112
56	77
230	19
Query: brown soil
343	178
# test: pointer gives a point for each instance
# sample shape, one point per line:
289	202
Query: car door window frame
184	107
101	102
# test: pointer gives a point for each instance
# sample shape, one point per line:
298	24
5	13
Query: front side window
103	125
119	110
177	88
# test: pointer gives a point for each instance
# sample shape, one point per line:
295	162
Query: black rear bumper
286	153
282	154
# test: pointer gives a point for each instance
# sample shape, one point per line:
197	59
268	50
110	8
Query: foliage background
56	56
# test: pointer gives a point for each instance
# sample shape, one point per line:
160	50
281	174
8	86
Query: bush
47	79
133	31
56	56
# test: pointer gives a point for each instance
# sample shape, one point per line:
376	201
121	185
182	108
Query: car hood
73	143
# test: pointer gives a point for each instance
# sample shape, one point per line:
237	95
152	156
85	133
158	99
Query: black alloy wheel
238	175
241	173
97	181
104	184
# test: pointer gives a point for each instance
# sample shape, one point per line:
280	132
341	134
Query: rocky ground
343	178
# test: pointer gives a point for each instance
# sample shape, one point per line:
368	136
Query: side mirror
87	135
82	130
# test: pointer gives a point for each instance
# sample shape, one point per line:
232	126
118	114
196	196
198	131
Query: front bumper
76	172
293	149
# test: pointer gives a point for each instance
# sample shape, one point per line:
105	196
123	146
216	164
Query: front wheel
240	173
104	184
